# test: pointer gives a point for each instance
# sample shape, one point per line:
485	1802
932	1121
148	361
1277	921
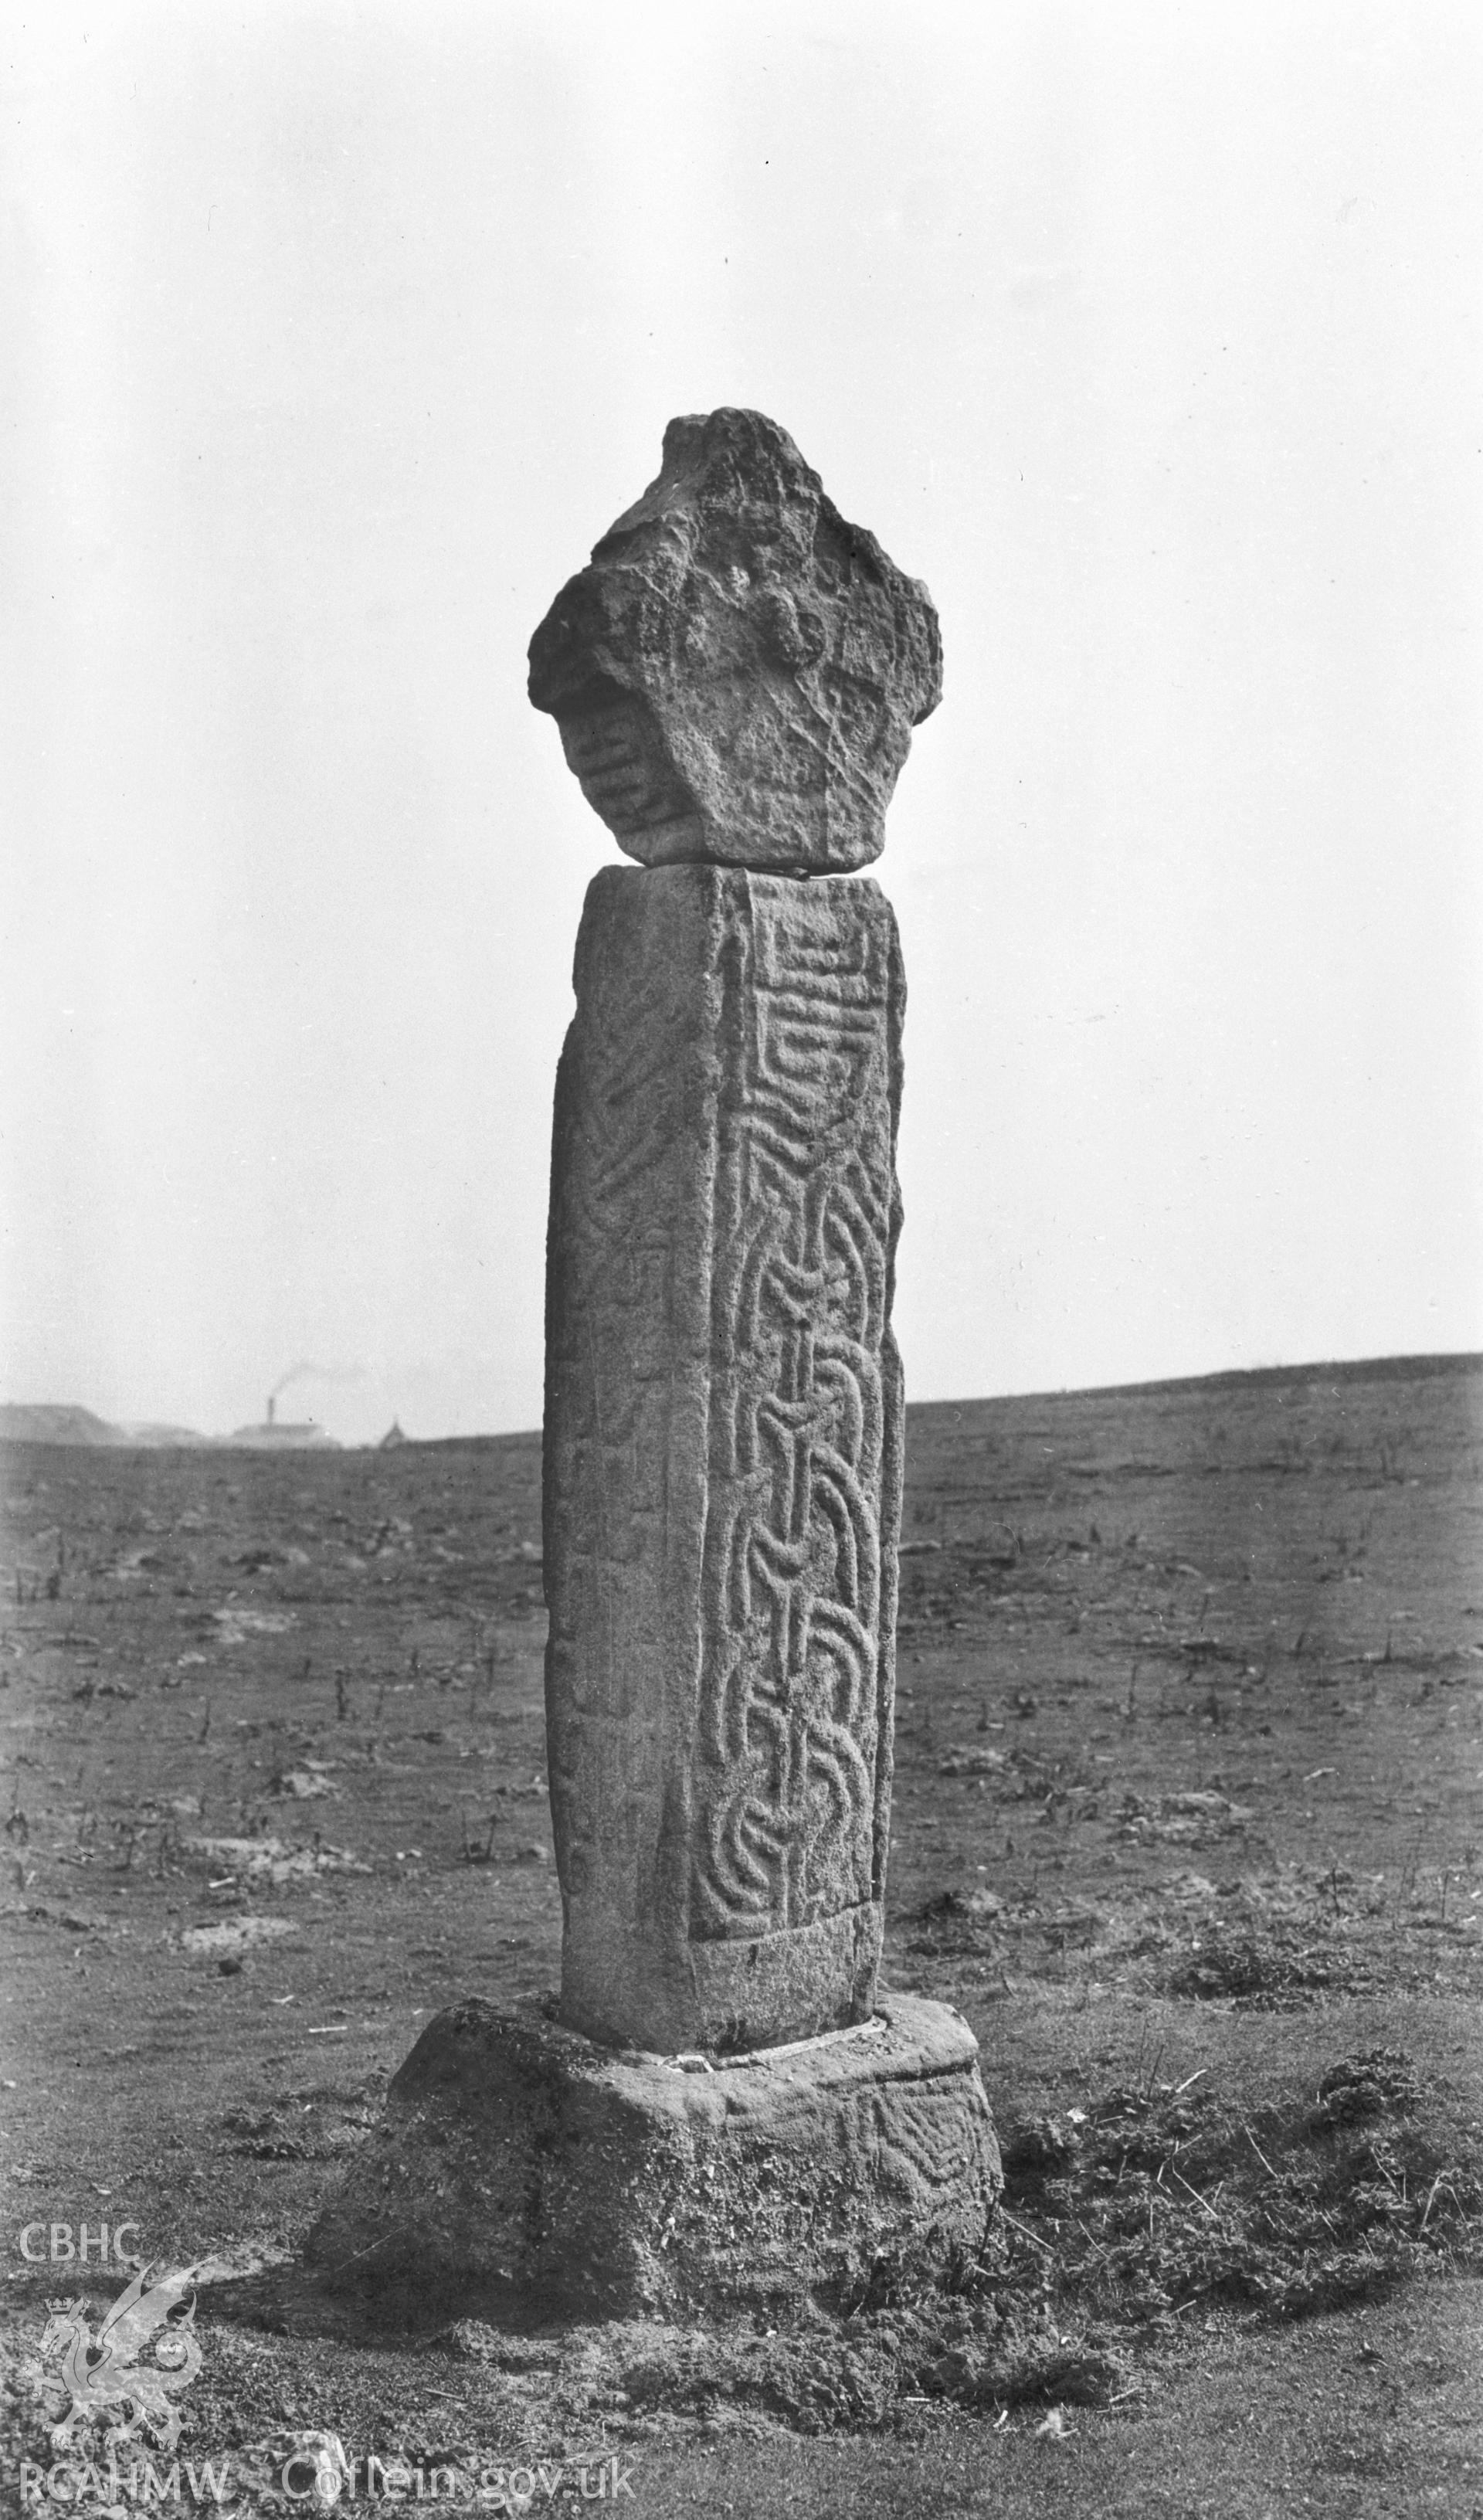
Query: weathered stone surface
736	675
723	1455
521	2170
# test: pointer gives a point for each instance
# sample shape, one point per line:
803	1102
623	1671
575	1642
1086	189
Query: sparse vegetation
1187	1755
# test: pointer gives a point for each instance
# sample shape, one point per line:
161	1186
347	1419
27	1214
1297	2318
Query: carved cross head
737	673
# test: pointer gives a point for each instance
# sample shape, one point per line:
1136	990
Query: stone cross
735	678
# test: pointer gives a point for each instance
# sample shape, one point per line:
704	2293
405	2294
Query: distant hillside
1361	1368
1467	1363
47	1423
52	1422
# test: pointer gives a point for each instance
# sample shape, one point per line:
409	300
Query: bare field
1188	1754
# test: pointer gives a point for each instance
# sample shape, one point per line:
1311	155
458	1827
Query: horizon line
1421	1362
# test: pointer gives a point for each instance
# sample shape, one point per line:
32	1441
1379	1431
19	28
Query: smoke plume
307	1372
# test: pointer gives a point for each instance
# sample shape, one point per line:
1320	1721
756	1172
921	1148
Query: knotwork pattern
797	1602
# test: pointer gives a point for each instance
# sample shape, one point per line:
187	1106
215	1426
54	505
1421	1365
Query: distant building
392	1438
277	1435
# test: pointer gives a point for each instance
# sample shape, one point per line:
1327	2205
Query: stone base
523	2172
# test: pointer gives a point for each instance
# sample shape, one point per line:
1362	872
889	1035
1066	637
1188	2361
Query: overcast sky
333	338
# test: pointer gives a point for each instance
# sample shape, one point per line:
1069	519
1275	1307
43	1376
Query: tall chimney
270	1408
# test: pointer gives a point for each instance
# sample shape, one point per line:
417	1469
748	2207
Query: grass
1205	1893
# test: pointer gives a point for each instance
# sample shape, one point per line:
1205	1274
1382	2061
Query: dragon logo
104	2373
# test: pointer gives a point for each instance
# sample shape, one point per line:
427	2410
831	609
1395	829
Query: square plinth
523	2171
